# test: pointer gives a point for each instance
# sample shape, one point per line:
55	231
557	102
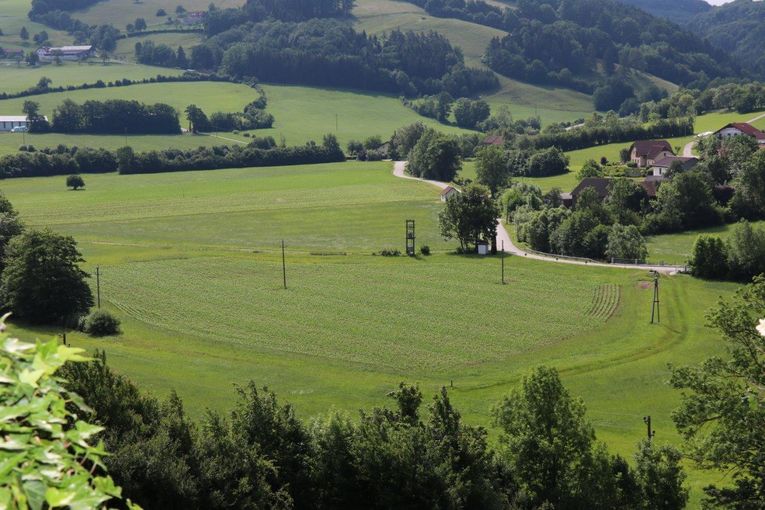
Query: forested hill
737	28
579	44
679	11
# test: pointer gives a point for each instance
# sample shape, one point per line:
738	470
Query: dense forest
678	11
328	52
737	28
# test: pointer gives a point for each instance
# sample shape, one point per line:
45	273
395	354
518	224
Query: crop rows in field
393	314
605	301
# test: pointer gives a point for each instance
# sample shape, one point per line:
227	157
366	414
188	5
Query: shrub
425	250
101	323
390	252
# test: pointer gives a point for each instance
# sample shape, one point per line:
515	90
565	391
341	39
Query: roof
447	190
13	118
668	161
599	184
745	128
651	148
651	185
68	49
493	140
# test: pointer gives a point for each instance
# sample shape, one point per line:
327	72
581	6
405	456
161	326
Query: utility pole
655	310
98	287
650	431
284	267
502	258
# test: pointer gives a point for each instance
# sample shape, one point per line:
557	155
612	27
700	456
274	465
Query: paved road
503	238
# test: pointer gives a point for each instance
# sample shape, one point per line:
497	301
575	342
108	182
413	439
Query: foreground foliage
47	453
722	417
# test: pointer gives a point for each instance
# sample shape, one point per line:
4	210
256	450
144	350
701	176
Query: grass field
676	248
16	79
13	16
189	262
126	47
565	182
121	12
302	114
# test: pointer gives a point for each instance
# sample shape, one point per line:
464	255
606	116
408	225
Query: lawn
677	248
16	79
13	16
565	182
302	114
121	12
190	263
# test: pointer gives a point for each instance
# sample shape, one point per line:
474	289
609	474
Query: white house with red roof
740	129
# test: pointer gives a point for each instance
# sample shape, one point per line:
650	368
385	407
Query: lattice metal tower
410	249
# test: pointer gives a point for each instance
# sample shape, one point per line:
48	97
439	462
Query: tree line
412	454
329	52
260	152
113	116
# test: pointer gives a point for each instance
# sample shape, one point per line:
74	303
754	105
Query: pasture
190	263
677	248
120	13
13	16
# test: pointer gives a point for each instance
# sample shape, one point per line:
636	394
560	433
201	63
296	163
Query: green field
13	16
677	248
121	12
302	114
126	47
565	182
190	263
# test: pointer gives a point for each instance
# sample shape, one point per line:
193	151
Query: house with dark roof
447	192
601	185
493	140
740	129
651	185
645	153
662	166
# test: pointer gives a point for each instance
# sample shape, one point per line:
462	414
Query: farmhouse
599	184
493	140
8	122
645	153
741	129
661	167
651	185
193	18
11	54
47	54
447	192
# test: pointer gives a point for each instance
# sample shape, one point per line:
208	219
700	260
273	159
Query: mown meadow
191	263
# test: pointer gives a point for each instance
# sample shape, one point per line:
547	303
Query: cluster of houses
658	157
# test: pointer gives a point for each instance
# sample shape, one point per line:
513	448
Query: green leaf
58	498
35	491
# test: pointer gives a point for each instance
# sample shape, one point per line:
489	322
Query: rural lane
503	238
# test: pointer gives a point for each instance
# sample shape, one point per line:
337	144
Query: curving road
503	238
688	149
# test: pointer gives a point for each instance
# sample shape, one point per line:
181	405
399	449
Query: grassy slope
13	16
524	100
350	327
121	12
301	113
676	248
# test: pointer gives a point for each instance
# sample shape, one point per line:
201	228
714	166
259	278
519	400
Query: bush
101	323
390	252
425	250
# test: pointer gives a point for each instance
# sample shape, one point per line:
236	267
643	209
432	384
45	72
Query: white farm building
8	122
65	53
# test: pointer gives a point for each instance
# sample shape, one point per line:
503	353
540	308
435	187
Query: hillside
679	11
737	28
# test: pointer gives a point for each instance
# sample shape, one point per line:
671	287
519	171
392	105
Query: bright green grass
302	114
676	248
210	96
189	262
565	182
121	12
126	47
16	79
13	16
